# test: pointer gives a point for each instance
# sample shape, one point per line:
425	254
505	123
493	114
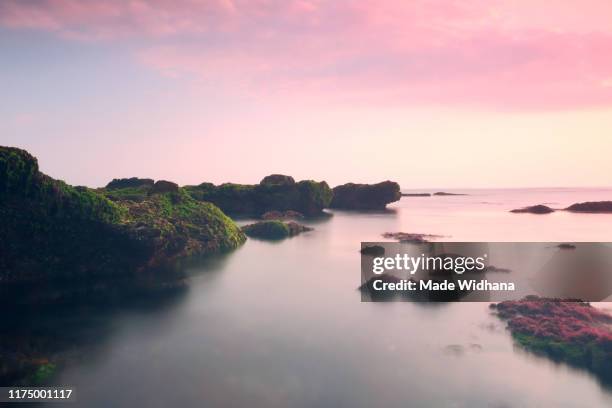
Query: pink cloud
504	54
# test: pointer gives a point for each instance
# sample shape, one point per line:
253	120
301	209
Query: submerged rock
352	196
410	237
373	250
592	207
367	288
274	230
493	268
443	193
534	209
53	231
416	194
274	193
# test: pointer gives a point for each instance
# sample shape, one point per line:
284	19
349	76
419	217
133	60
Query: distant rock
566	246
163	186
131	182
493	268
443	193
454	349
274	230
411	237
352	196
282	215
275	193
534	209
367	288
278	179
416	194
592	207
373	250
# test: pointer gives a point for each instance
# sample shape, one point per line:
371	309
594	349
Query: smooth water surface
281	324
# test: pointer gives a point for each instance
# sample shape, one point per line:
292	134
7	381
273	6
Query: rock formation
52	231
273	229
534	209
352	196
273	193
592	207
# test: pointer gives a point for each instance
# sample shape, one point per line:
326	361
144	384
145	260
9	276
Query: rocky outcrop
592	207
52	231
365	196
274	230
564	330
534	209
274	193
278	180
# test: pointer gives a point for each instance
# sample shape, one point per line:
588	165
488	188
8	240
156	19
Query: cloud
510	55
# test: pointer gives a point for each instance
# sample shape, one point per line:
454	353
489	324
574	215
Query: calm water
281	324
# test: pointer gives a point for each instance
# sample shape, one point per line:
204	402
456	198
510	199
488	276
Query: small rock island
352	196
534	209
591	207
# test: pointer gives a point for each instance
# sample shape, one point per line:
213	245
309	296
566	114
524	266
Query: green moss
129	193
307	197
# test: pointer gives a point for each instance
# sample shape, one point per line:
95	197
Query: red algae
565	330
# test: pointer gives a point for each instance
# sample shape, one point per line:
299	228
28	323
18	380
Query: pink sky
341	75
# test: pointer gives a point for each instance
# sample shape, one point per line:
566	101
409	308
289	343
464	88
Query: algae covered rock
274	193
274	230
52	231
352	196
566	330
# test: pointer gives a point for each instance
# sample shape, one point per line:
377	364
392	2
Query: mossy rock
352	196
278	179
84	235
274	193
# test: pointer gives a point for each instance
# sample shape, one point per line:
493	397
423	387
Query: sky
429	93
